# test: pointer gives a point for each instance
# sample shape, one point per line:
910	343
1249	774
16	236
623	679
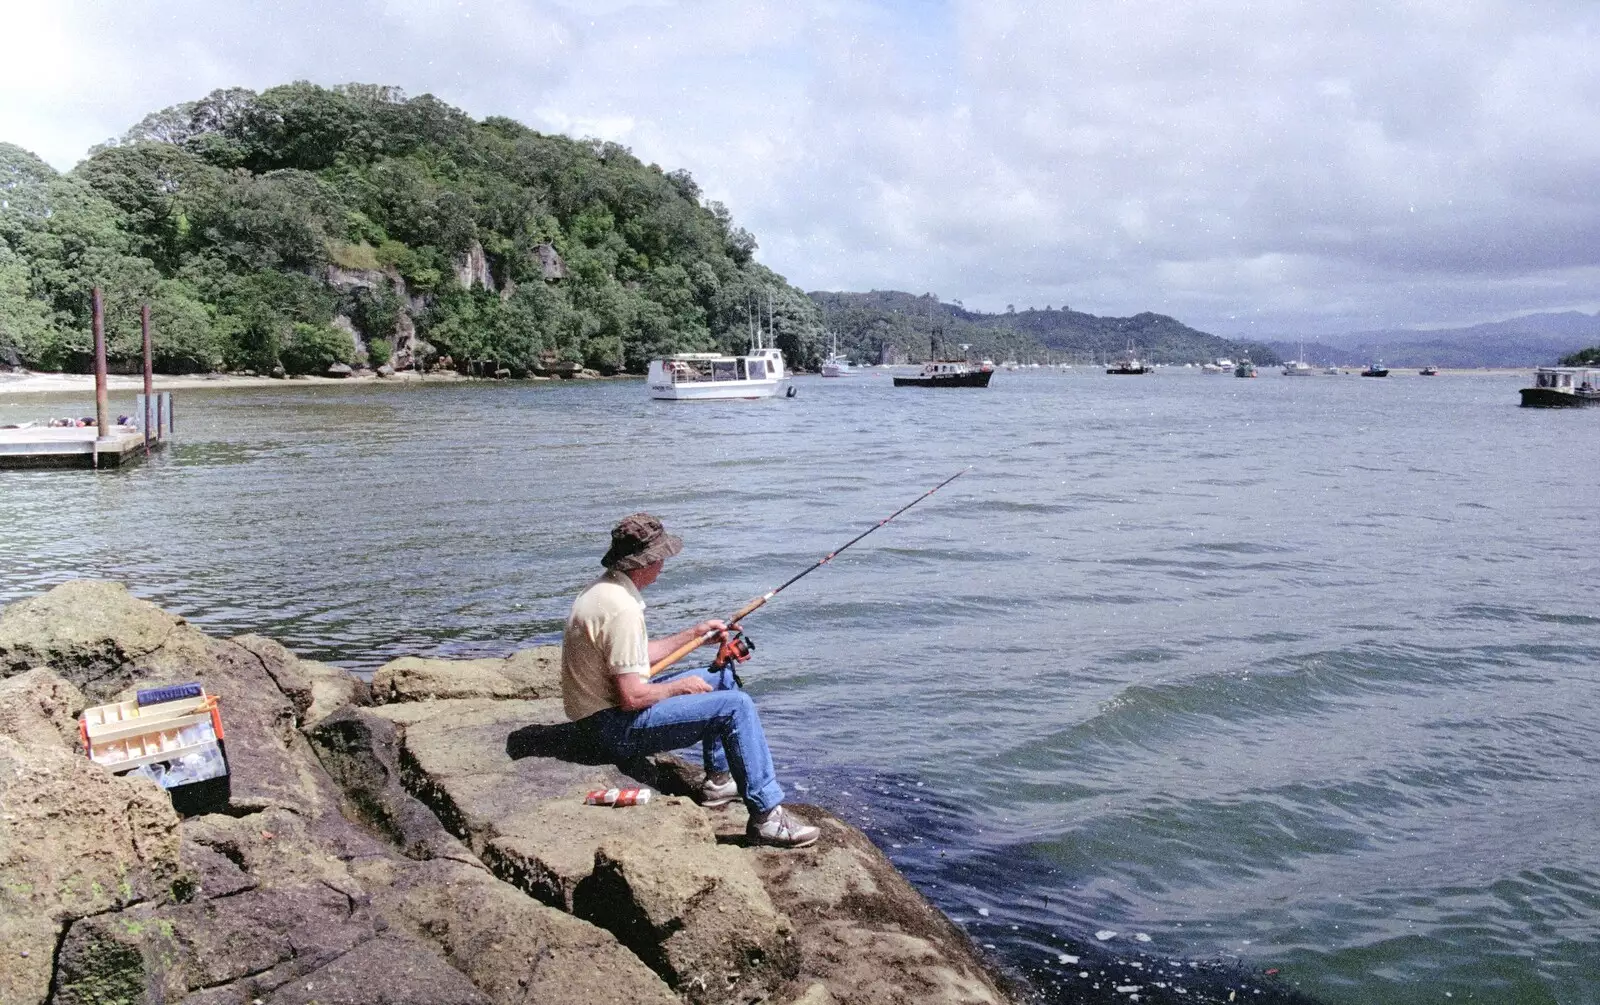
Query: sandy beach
57	383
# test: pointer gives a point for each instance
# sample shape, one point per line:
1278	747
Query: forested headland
305	226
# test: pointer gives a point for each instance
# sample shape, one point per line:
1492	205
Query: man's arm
670	644
635	692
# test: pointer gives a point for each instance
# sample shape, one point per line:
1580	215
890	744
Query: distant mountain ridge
1531	340
890	324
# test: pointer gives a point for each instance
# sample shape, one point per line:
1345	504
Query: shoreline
35	382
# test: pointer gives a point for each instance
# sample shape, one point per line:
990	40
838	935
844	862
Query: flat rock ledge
421	840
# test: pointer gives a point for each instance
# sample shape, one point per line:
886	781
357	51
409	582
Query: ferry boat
949	373
1562	387
1375	370
710	376
1244	368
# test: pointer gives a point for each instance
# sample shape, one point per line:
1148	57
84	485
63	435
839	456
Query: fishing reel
736	647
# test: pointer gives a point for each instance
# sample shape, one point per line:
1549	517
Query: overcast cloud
1259	168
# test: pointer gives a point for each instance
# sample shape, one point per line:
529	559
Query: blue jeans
724	722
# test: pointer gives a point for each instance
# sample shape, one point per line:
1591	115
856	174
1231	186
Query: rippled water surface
1297	673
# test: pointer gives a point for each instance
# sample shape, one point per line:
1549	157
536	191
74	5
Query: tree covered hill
306	225
867	324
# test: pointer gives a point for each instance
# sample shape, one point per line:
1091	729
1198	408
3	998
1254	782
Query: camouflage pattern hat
638	541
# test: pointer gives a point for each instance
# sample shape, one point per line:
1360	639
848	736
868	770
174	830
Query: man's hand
715	625
690	685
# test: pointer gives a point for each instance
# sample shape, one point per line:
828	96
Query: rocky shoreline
418	840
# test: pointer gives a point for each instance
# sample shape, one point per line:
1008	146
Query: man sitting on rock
606	686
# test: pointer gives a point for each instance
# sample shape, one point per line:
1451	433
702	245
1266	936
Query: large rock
863	930
75	840
529	673
514	949
85	630
40	707
694	910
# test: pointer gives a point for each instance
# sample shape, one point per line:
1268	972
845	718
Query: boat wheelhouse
1563	387
948	373
710	376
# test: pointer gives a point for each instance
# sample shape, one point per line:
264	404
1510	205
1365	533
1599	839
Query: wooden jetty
102	445
73	447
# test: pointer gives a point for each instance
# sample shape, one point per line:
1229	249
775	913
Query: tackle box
171	735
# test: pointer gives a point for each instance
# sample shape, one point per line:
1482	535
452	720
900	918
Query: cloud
1250	167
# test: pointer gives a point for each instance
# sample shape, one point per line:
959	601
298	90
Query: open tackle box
171	735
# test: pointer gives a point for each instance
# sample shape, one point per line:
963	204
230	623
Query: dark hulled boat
1375	370
1562	387
948	373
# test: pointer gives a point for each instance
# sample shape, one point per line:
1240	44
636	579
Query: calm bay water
1295	672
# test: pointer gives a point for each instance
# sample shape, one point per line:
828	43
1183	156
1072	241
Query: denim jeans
723	721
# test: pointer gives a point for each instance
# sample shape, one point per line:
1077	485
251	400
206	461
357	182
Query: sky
1260	169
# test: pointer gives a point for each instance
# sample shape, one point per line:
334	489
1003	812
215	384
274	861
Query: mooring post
102	408
144	326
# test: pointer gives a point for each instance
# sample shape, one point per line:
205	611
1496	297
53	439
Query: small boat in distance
1429	371
1562	387
1129	363
836	364
948	373
1375	370
1244	368
1331	371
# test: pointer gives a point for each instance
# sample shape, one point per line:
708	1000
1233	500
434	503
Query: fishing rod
742	650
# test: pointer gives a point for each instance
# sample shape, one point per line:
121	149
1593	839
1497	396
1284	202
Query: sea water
1294	674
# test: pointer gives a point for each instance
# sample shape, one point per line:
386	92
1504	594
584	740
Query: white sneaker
781	829
718	792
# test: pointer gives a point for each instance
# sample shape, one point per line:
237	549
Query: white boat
1297	368
710	376
836	364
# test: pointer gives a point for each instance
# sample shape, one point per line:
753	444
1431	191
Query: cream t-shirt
605	636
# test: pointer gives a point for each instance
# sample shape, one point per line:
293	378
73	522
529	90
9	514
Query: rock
332	689
472	268
85	630
278	372
551	267
75	840
513	949
528	673
362	753
692	909
386	971
338	370
863	930
385	370
816	994
40	707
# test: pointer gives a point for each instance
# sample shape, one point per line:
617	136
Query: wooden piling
102	405
149	373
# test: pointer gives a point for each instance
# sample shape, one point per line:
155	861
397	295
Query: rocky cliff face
419	841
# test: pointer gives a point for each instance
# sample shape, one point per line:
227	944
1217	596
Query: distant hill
1531	340
889	324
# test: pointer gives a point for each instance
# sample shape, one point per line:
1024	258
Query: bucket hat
638	541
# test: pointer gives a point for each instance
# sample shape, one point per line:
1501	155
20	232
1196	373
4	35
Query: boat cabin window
723	370
740	362
1566	380
758	369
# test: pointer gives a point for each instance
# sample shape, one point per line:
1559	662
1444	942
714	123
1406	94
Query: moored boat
1429	371
1244	368
710	376
1375	370
836	364
1130	363
1562	387
1297	368
948	373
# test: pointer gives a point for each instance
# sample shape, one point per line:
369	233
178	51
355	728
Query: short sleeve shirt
605	636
